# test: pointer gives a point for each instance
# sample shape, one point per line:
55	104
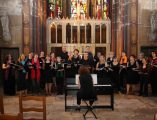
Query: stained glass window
51	8
106	4
74	8
83	8
55	8
98	8
78	8
58	8
102	8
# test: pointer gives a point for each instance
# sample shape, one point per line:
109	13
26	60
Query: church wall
12	10
11	13
145	28
133	26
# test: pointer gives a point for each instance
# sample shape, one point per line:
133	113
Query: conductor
86	90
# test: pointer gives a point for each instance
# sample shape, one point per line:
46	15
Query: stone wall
11	23
147	35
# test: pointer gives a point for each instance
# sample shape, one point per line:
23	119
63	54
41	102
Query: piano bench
89	107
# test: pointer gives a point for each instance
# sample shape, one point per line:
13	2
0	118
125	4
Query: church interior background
105	25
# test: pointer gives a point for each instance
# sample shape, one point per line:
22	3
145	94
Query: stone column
125	27
44	15
39	21
26	26
38	26
133	28
117	27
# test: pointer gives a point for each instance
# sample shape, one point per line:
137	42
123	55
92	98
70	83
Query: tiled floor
126	108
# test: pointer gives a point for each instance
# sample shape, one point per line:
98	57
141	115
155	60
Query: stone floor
126	108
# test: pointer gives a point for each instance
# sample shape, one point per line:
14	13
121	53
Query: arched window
53	33
88	33
82	34
68	33
59	34
74	34
103	33
97	34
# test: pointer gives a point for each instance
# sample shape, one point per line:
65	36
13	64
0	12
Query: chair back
155	117
10	117
29	109
1	105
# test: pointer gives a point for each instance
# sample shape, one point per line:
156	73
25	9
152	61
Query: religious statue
5	27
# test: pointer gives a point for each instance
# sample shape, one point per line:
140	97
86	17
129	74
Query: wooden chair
10	117
27	109
155	116
7	116
1	105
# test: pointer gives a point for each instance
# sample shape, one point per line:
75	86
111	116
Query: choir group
35	73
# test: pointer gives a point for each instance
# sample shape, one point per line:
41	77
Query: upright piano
106	89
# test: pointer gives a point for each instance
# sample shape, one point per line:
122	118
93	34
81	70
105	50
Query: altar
79	33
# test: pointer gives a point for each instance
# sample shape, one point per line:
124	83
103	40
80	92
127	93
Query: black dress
109	61
144	80
60	77
132	75
96	60
9	81
64	56
69	69
42	72
48	75
76	59
90	56
28	69
102	72
153	77
76	62
86	90
87	63
21	82
115	75
53	71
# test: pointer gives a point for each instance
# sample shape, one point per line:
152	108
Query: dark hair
114	57
52	52
133	56
154	52
124	52
83	70
7	58
76	50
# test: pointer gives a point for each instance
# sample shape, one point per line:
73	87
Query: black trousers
9	87
122	79
60	84
35	86
79	98
153	81
42	79
29	82
144	84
